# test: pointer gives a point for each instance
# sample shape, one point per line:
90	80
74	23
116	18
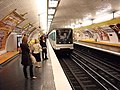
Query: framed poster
3	37
12	20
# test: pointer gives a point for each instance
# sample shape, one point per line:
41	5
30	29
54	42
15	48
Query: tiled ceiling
22	6
68	11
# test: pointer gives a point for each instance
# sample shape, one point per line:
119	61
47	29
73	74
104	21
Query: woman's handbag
33	59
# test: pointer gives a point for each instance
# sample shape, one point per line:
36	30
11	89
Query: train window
52	36
64	36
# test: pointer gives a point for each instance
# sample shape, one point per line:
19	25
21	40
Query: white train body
61	38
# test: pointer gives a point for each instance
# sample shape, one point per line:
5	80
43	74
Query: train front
64	39
64	36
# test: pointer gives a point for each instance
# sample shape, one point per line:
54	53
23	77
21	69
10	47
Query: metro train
61	39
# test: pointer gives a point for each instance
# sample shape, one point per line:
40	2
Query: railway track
109	58
79	78
111	69
86	73
109	73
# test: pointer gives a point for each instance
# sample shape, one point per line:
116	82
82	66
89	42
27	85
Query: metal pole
113	14
39	19
92	20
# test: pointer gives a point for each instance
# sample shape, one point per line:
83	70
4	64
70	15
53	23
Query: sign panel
12	20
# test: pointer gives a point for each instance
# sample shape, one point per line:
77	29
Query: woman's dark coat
25	55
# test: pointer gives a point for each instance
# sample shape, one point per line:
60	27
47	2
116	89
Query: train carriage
61	39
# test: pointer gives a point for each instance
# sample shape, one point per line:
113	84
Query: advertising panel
3	36
7	25
12	20
116	28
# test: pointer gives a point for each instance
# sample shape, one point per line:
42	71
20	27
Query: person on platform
44	47
26	61
36	52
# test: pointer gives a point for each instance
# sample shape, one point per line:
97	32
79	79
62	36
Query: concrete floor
11	77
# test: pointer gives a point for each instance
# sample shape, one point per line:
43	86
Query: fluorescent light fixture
42	12
72	27
49	24
85	23
50	16
77	21
103	18
117	14
68	26
49	20
77	25
51	11
72	24
53	3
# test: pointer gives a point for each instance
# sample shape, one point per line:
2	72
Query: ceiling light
87	22
53	3
51	11
103	18
50	16
49	20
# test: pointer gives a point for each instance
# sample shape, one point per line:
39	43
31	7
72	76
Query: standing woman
44	47
36	52
26	61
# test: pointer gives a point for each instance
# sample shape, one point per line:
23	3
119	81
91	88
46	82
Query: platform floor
11	77
6	56
11	74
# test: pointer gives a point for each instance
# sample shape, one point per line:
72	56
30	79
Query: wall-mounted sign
12	20
7	25
3	37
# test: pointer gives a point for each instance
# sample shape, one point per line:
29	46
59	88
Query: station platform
111	48
6	56
49	77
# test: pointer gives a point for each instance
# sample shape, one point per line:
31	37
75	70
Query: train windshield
64	36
